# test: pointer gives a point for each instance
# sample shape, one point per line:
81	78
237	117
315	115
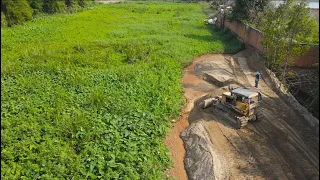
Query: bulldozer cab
241	99
238	104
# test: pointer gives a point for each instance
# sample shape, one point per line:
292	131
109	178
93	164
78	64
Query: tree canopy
17	11
248	10
287	31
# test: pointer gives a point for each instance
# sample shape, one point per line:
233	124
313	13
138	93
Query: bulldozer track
240	121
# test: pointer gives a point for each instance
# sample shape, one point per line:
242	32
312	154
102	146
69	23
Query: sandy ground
282	145
173	140
109	1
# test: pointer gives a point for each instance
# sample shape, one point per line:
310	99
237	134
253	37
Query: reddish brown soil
173	140
175	144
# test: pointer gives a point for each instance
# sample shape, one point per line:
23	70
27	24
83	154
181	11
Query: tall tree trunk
287	59
267	57
274	58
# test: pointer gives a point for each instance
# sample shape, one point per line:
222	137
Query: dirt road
282	146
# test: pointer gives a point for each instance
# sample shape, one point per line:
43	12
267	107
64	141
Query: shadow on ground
207	114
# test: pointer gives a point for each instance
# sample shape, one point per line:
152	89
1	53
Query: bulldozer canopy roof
245	92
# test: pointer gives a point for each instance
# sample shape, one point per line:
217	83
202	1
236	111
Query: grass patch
90	95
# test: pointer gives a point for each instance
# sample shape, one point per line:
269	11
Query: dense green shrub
53	6
16	11
82	3
36	5
4	22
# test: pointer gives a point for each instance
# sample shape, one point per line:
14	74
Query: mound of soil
198	161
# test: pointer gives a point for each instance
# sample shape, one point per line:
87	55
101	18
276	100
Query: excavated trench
284	145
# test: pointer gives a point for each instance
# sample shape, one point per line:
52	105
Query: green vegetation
249	11
15	12
284	29
18	11
90	95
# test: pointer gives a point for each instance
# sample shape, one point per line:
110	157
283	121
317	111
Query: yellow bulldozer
238	104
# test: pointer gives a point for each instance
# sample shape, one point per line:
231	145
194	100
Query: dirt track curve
283	145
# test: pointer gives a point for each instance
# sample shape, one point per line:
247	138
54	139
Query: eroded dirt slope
281	146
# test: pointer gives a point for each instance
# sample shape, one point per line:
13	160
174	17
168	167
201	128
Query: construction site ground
283	145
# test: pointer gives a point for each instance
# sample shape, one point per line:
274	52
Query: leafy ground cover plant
90	95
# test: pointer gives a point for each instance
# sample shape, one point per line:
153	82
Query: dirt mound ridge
201	161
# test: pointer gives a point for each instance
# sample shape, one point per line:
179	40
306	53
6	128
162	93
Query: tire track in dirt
286	145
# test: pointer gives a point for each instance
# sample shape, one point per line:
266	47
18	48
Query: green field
90	95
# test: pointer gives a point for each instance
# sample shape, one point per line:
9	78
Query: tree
217	2
285	28
36	5
4	22
248	10
16	11
82	3
53	6
68	3
273	27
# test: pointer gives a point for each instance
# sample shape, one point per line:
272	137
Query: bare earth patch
283	145
109	1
